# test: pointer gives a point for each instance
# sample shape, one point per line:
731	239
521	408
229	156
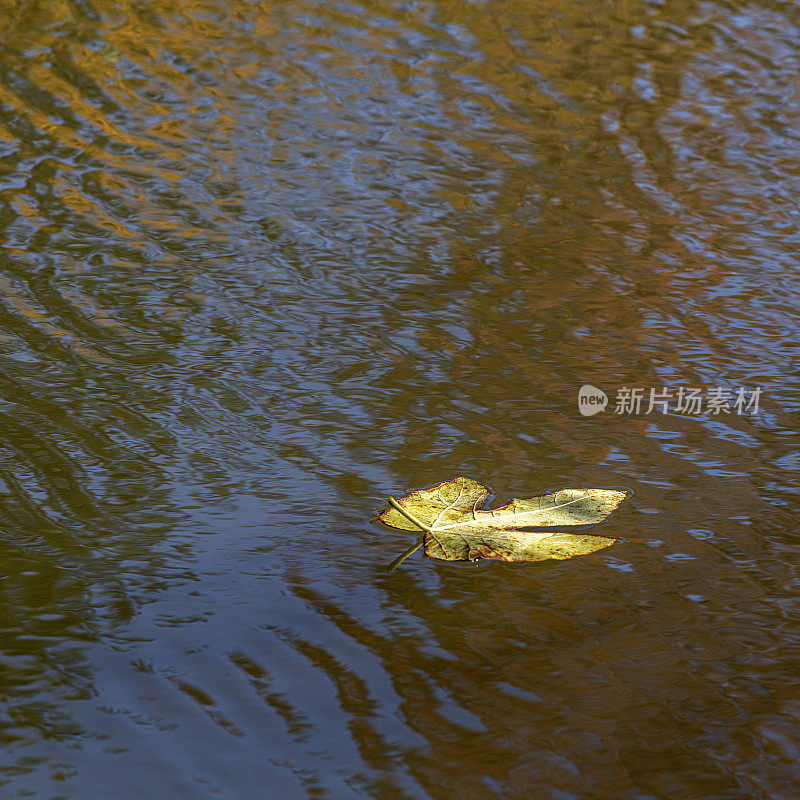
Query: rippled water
263	264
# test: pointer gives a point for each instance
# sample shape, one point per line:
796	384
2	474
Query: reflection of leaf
455	527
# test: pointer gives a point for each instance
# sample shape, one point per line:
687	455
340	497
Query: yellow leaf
455	526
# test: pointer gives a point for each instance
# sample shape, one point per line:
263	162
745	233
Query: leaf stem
408	515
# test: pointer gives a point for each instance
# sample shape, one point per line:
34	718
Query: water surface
264	264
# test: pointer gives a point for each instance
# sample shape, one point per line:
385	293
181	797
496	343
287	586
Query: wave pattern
263	264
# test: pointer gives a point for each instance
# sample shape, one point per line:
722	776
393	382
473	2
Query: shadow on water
263	265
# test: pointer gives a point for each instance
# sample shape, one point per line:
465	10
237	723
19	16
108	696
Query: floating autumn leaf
454	526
